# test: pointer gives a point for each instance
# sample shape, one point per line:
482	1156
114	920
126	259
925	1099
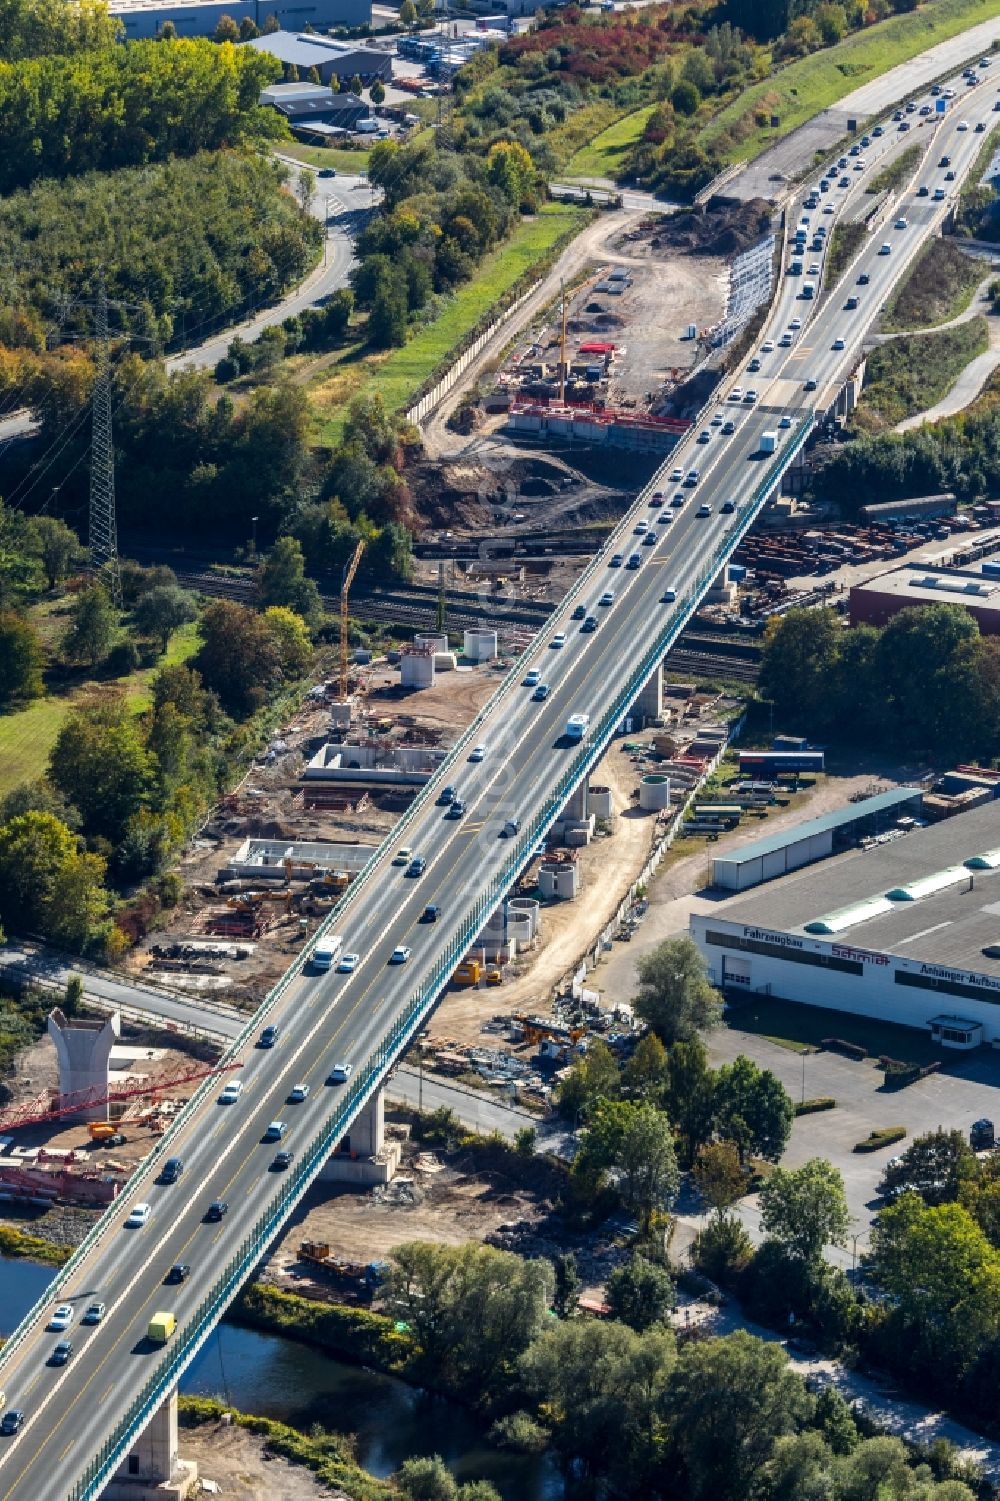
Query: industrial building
305	105
777	854
977	589
919	508
907	931
145	18
331	59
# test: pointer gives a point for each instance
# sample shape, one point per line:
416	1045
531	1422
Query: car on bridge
299	1093
275	1131
232	1092
838	343
62	1352
457	809
579	612
94	1313
417	866
11	1421
341	1072
138	1216
668	596
217	1210
478	753
885	248
590	624
179	1272
268	1037
541	692
728	507
530	679
431	913
405	855
62	1317
348	963
400	954
616	562
558	640
704	509
728	427
901	223
608	597
172	1170
282	1160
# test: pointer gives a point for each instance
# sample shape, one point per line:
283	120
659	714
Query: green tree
355	86
100	764
510	169
377	92
727	1402
20	659
238	659
387	320
933	1166
752	1109
799	665
426	1479
647	1072
685	99
408	14
634	1146
592	1077
92	626
227	30
160	612
282	581
291	640
46	884
805	1208
248	29
831	22
719	1174
39	797
674	997
641	1293
723	1249
58	548
690	1098
567	1285
271	25
525	1141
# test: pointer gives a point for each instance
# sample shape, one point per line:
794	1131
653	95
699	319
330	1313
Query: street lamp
254	542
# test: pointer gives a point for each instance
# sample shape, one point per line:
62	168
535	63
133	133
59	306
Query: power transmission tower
102	536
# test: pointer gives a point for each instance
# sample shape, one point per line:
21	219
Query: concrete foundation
480	646
416	670
432	644
654	793
83	1051
559	878
364	1156
649	704
154	1471
599	802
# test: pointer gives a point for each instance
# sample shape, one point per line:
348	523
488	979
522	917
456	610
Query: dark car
431	913
864	279
447	794
579	612
269	1037
117	1139
327	172
457	809
172	1169
11	1421
282	1160
179	1272
590	624
62	1352
216	1210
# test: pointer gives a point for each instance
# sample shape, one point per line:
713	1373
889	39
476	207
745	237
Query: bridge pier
83	1050
153	1470
649	704
576	806
364	1156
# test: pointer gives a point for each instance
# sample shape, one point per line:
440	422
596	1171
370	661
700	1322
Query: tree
641	1293
387	320
377	92
305	186
805	1208
674	997
473	1310
408	14
634	1145
752	1109
58	548
227	30
800	657
248	29
426	1479
933	1166
690	1098
591	1078
685	99
567	1285
282	581
168	32
271	25
646	1073
727	1402
100	764
238	659
20	659
92	626
291	640
160	611
719	1174
355	86
510	169
39	797
46	884
723	1248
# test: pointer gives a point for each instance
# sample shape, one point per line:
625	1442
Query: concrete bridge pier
649	704
576	807
153	1470
83	1050
364	1156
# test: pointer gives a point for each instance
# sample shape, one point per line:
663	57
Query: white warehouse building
906	932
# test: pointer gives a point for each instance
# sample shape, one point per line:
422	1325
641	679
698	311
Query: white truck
768	442
577	725
327	952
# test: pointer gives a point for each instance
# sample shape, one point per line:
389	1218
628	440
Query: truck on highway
327	952
161	1327
577	726
808	290
768	441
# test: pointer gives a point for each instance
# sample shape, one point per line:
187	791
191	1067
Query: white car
400	954
838	343
403	856
140	1214
299	1093
558	640
717	420
963	124
814	268
676	475
767	347
61	1318
750	398
478	753
232	1092
785	341
349	962
795	325
828	208
608	598
736	394
341	1072
532	677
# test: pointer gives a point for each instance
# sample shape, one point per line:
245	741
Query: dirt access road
244	1470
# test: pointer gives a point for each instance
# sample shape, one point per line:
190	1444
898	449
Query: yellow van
161	1327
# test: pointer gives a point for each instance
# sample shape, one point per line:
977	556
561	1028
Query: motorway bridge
83	1420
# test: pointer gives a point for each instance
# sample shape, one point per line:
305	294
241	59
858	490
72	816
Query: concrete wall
263	859
402	765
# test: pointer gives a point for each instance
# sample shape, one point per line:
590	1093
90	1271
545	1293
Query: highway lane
330	1017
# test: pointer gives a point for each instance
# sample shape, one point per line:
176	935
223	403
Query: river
279	1378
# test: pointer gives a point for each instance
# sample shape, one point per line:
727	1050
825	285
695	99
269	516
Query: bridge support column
649	704
576	807
83	1050
154	1471
364	1156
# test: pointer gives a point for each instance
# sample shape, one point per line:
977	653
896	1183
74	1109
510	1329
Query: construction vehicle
468	972
494	976
366	1277
537	1029
348	579
101	1130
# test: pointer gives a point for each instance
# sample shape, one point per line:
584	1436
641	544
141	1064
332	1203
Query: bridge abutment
363	1156
153	1470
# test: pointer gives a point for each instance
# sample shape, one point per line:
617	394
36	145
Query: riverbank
18	1245
352	1333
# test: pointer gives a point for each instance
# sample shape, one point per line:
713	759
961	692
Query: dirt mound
720	227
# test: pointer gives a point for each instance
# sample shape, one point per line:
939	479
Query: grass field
910	374
811	84
28	735
603	156
351	162
401	372
844	243
939	287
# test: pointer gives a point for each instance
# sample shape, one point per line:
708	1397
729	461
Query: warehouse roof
883	802
947	586
932	895
307	51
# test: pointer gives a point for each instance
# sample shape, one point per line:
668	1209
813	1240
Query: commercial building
777	854
145	18
331	59
305	105
907	931
920	508
876	600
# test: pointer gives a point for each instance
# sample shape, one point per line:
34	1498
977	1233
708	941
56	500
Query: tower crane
350	569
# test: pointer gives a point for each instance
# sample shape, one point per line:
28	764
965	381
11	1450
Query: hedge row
810	1107
879	1139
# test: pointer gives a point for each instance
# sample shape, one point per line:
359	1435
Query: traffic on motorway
189	1210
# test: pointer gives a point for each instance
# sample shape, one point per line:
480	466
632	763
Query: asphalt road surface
332	1018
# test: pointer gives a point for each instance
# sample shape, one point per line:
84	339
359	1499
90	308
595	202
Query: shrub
849	1049
810	1107
879	1139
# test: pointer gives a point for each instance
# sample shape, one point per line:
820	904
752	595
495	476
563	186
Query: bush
810	1107
879	1139
849	1049
355	1332
519	1432
722	1249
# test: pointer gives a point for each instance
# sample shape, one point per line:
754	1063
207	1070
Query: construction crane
47	1107
349	571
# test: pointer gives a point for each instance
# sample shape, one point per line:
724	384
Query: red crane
53	1106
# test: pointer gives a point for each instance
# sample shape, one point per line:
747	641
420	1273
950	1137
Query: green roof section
869	807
